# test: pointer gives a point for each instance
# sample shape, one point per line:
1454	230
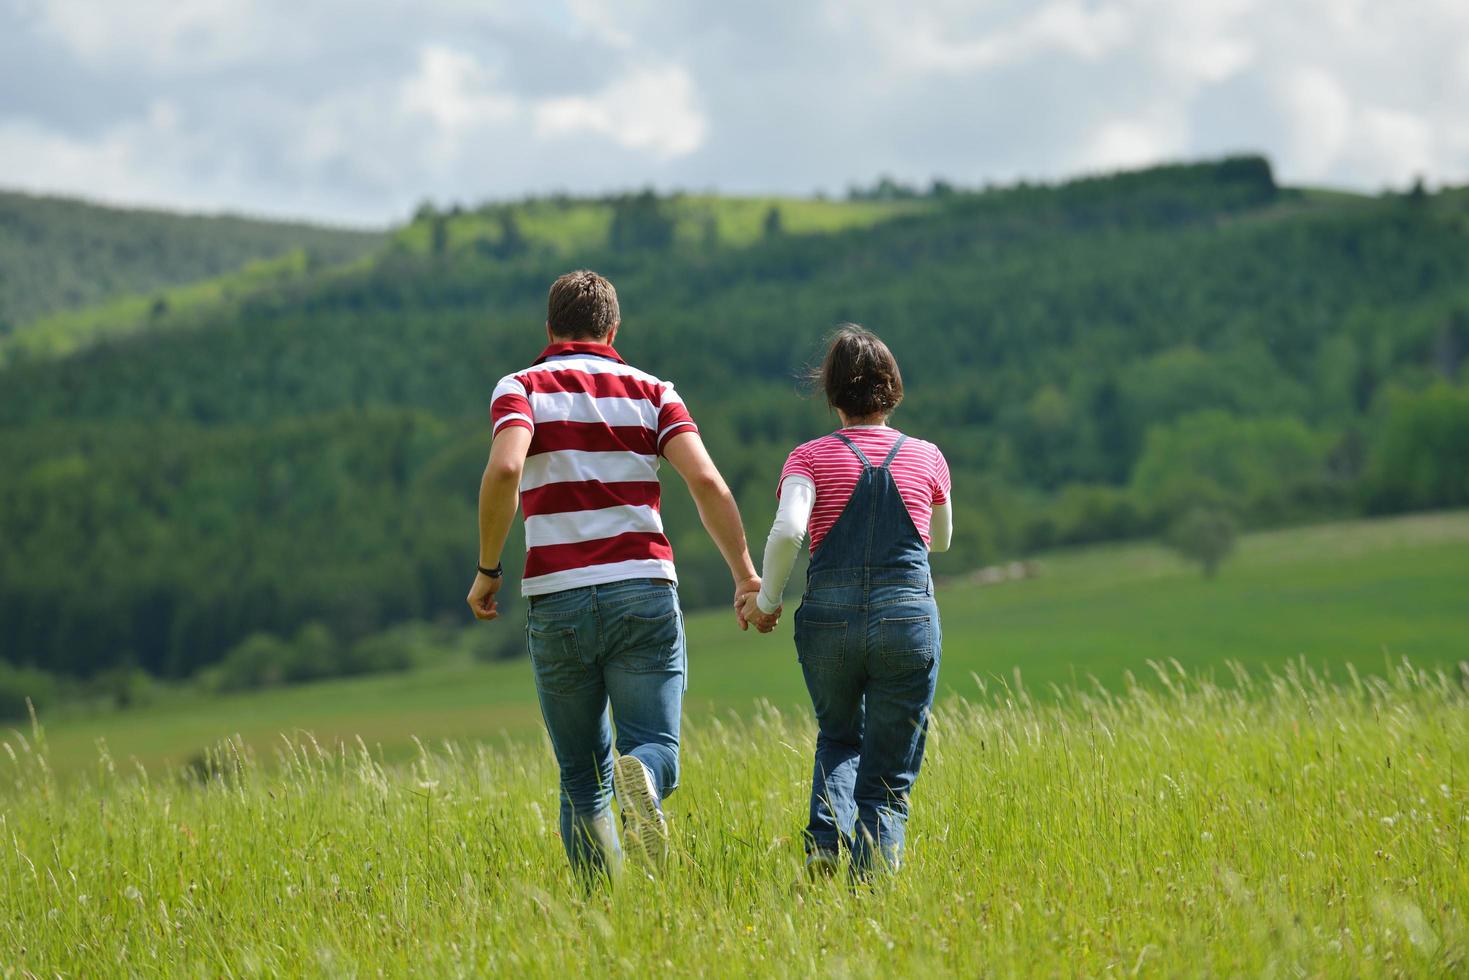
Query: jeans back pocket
556	657
650	642
820	645
906	642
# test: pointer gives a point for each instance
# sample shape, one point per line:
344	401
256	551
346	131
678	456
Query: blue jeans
620	643
871	662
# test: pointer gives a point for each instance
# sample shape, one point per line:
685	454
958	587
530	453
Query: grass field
1191	817
1365	593
1284	827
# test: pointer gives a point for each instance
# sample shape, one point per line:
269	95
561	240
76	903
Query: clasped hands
748	612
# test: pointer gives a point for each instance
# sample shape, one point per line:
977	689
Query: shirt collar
567	348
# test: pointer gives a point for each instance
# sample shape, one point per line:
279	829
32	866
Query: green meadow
1285	826
1131	771
1368	594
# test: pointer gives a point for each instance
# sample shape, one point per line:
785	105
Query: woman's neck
849	422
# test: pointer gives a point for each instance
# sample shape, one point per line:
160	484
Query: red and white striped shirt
920	471
589	491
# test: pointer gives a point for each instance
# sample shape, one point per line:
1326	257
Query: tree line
1099	360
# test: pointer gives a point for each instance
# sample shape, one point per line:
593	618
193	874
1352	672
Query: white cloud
1124	143
125	162
940	36
1320	116
648	109
456	91
188	36
283	106
1397	144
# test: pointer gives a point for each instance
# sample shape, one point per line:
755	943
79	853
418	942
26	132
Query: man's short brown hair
859	375
582	306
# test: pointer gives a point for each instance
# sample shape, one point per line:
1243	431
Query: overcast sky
354	110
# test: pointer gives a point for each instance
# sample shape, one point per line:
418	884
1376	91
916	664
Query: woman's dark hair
859	375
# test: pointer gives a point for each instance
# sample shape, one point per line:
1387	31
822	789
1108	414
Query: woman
867	634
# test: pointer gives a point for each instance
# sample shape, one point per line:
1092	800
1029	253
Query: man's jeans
622	643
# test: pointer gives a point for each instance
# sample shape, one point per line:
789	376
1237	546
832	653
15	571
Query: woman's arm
941	528
787	534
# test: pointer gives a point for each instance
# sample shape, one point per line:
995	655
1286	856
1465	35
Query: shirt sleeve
798	463
786	536
510	405
673	417
941	484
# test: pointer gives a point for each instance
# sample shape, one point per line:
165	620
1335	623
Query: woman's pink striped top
920	470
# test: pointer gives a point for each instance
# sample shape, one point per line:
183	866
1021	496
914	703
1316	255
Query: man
577	441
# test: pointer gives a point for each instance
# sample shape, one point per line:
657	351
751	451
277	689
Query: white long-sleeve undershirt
788	533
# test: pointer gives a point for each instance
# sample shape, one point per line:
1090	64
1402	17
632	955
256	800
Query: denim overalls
868	638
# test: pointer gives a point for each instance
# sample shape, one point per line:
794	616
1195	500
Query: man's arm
717	507
499	496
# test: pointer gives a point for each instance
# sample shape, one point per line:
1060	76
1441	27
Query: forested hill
1095	358
60	254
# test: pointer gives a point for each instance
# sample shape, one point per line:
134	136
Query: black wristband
495	572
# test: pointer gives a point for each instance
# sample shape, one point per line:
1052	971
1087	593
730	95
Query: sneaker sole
645	832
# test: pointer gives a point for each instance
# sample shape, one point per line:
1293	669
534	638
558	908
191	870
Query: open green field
1363	593
1284	827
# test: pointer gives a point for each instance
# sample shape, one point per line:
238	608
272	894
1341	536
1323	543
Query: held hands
743	588
749	612
482	596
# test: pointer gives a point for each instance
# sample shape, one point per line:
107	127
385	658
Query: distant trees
639	223
438	235
771	227
266	660
512	239
311	453
1419	457
886	189
19	684
1204	535
1272	467
59	254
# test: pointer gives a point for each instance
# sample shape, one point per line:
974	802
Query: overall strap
853	446
896	446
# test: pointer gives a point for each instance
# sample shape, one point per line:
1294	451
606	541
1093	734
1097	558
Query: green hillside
1364	594
1096	358
58	254
192	304
564	226
549	228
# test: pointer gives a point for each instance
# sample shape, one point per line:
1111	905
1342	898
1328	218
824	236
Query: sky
353	111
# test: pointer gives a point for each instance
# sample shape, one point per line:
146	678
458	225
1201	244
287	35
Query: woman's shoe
822	864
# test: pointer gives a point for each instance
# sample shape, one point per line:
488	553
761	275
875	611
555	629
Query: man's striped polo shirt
590	488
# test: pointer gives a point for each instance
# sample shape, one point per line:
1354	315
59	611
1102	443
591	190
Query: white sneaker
644	831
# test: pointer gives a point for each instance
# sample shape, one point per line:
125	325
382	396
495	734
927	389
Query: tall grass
1283	825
